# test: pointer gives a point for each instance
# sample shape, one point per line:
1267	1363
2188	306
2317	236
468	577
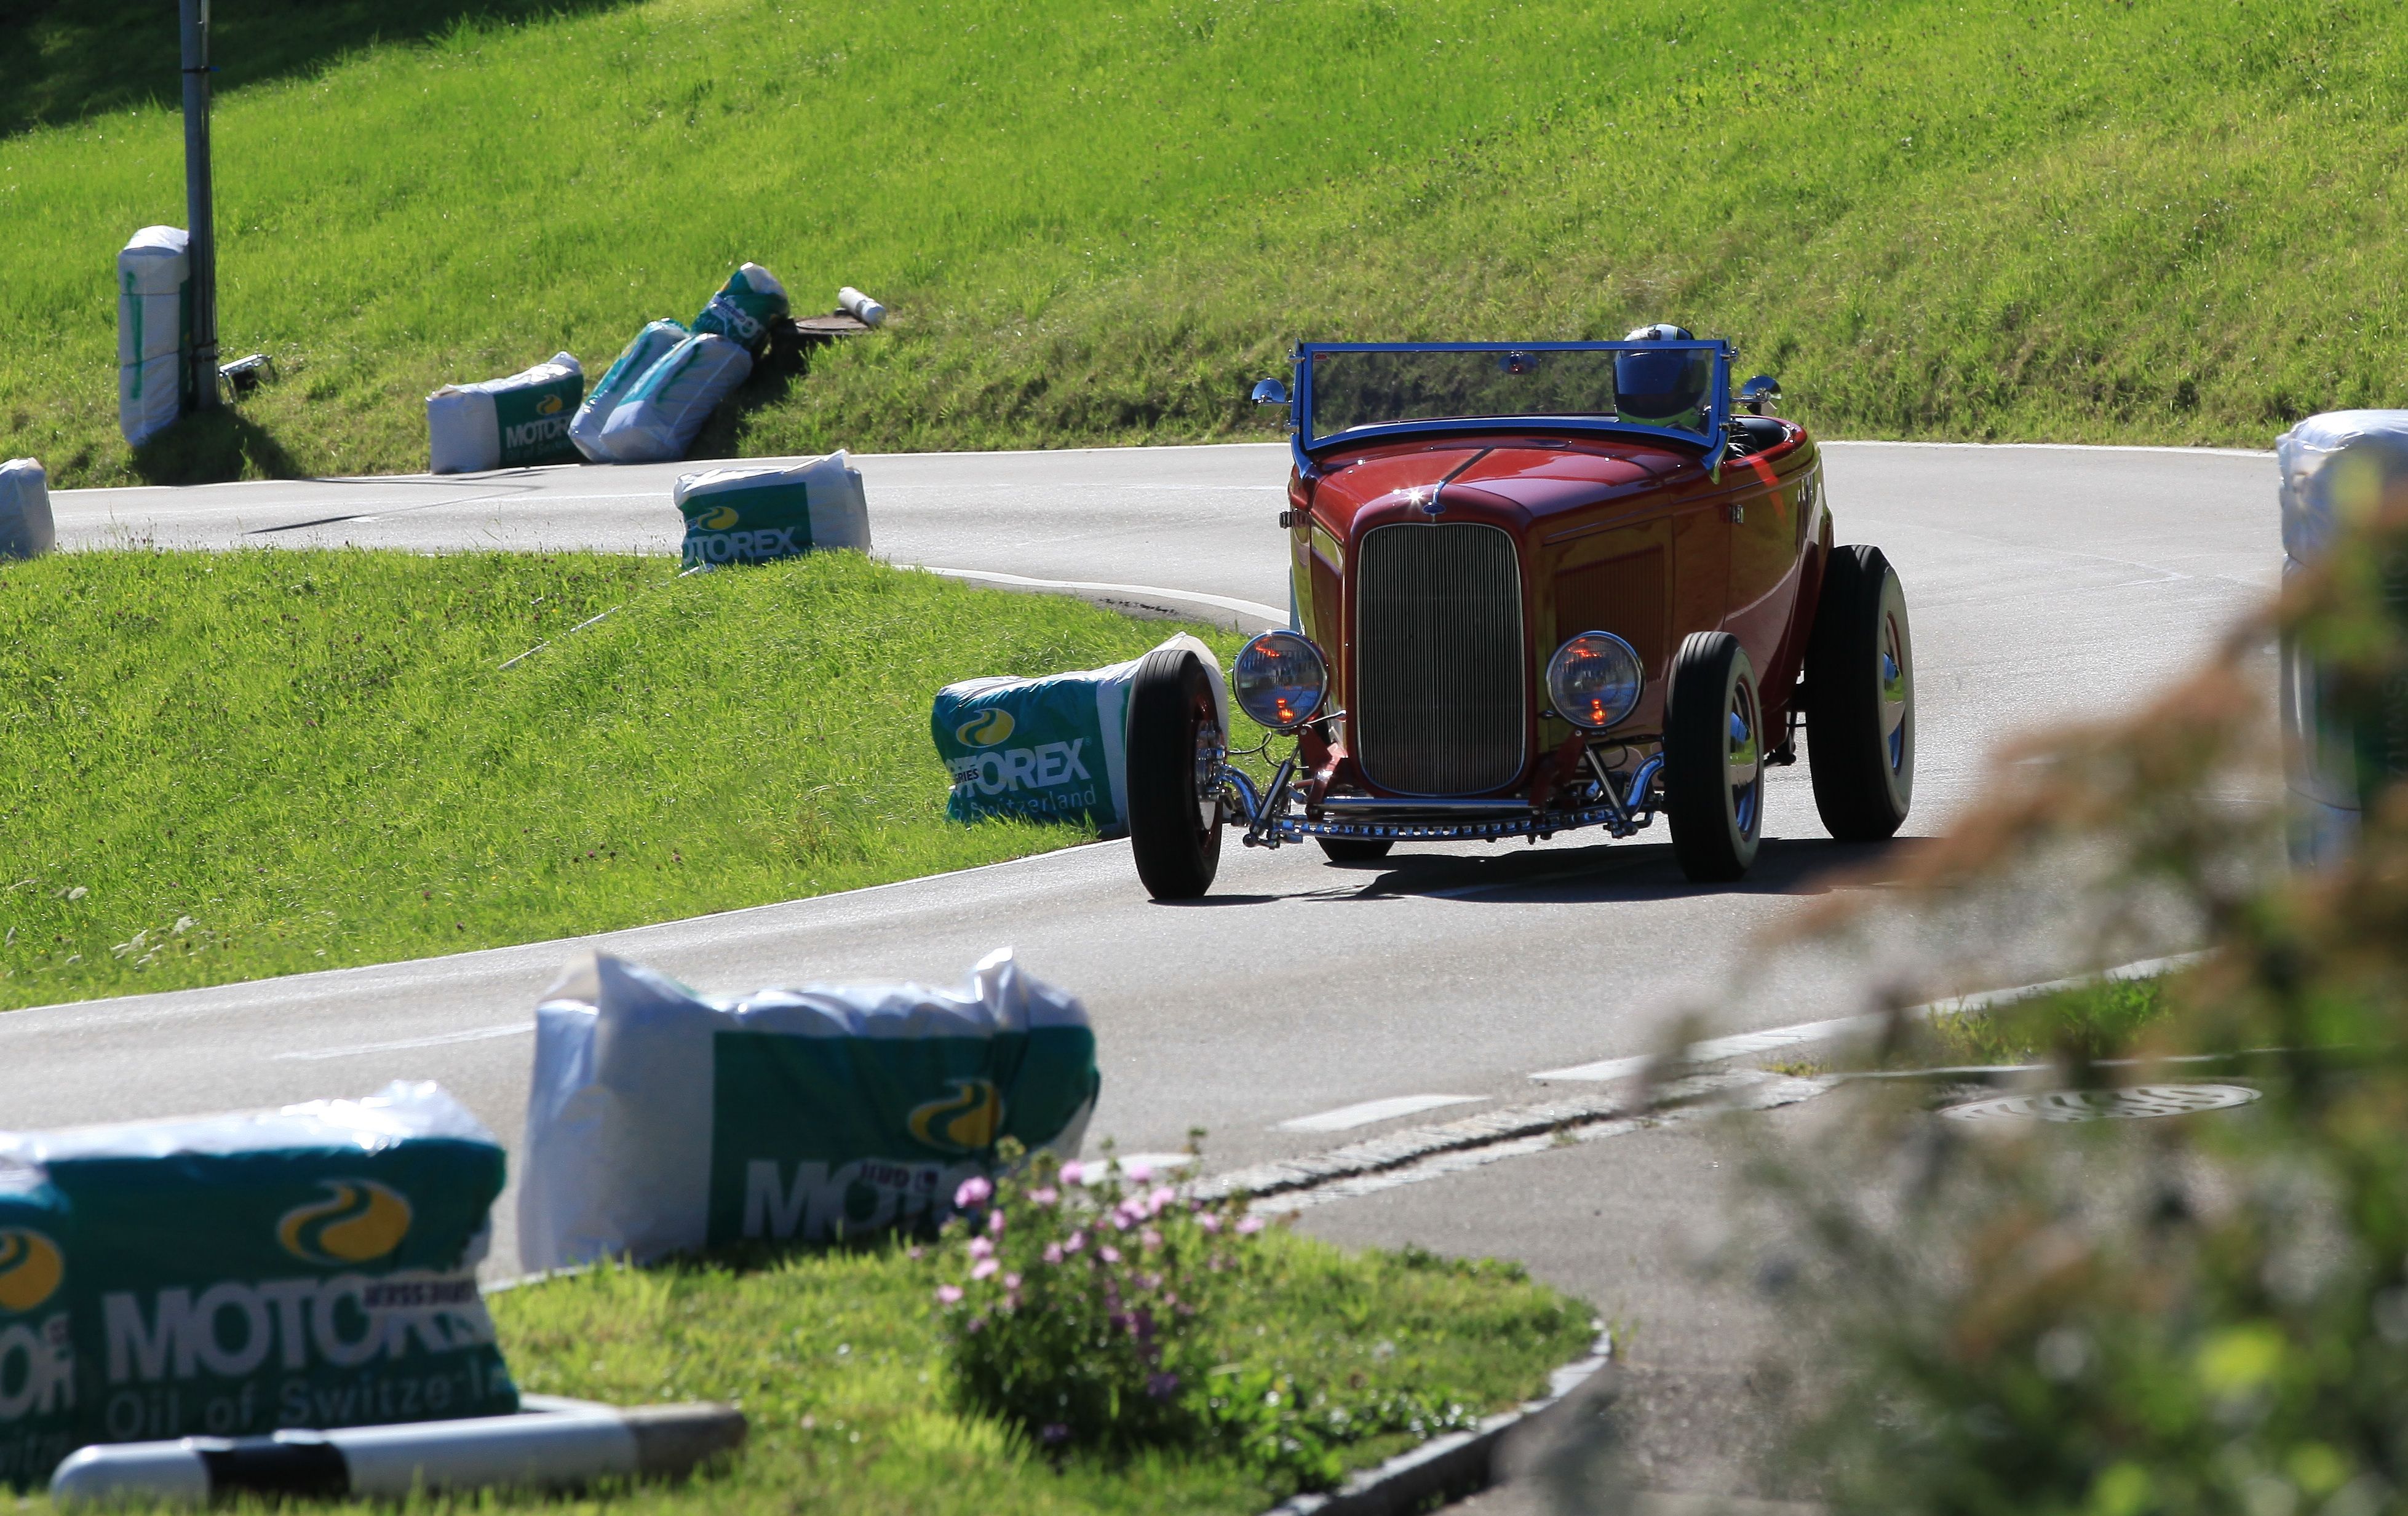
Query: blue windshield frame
1306	445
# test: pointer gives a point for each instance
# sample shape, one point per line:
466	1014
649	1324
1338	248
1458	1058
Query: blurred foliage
2198	1314
2096	1021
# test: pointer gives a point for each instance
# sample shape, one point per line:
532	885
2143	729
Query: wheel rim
1743	757
1209	757
1897	691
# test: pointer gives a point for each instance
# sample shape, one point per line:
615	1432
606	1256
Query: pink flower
1149	1239
1053	1253
1140	1173
985	1268
973	1191
1108	1254
1076	1241
915	1253
1012	1282
1249	1226
1162	1196
982	1247
994	1222
1046	1196
1074	1173
1209	1220
949	1294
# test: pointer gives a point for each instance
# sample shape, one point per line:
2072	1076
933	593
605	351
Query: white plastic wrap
26	528
657	420
649	1131
2338	470
402	1110
511	422
152	331
650	345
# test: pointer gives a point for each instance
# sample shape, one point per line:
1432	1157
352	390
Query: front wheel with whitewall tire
1713	758
1860	698
1175	751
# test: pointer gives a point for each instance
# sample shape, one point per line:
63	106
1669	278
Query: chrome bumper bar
1274	815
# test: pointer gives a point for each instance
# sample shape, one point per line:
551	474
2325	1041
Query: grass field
219	766
2165	221
836	1361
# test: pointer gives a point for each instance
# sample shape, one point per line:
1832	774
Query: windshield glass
1635	384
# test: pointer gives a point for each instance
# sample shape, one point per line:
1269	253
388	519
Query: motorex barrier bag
505	422
154	332
26	527
650	347
744	306
39	1424
669	402
1047	749
311	1266
661	1120
758	515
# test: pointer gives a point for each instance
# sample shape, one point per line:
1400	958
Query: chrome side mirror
1270	391
1758	395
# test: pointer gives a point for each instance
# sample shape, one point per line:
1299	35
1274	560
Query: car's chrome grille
1437	659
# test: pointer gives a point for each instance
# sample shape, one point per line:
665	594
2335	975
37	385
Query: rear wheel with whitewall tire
1174	755
1713	758
1355	850
1860	698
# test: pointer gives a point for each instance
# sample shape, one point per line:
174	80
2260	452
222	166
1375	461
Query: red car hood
1540	481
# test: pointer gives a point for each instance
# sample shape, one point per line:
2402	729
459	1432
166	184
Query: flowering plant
1086	1303
1079	1314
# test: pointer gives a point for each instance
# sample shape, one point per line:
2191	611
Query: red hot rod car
1539	587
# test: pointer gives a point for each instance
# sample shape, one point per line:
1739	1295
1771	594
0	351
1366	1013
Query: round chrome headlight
1595	680
1279	679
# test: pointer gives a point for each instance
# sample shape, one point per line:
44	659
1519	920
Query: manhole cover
2133	1104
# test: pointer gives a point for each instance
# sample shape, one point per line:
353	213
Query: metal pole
201	223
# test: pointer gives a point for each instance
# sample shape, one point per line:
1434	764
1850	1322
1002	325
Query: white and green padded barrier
756	515
661	1120
1053	749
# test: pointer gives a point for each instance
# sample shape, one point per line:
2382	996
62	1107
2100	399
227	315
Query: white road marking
1345	1118
1154	1164
1715	1050
479	1034
1246	608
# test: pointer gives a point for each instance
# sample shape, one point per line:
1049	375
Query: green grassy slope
2167	221
224	766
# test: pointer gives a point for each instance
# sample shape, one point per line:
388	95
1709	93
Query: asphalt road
1192	530
2045	584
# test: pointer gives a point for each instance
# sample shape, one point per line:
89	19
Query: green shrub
2206	1313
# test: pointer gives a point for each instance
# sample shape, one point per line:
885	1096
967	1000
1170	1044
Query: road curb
1400	1149
1445	1467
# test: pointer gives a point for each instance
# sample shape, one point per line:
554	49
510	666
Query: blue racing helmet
1662	389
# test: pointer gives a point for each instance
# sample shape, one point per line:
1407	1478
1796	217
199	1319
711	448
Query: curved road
2045	584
